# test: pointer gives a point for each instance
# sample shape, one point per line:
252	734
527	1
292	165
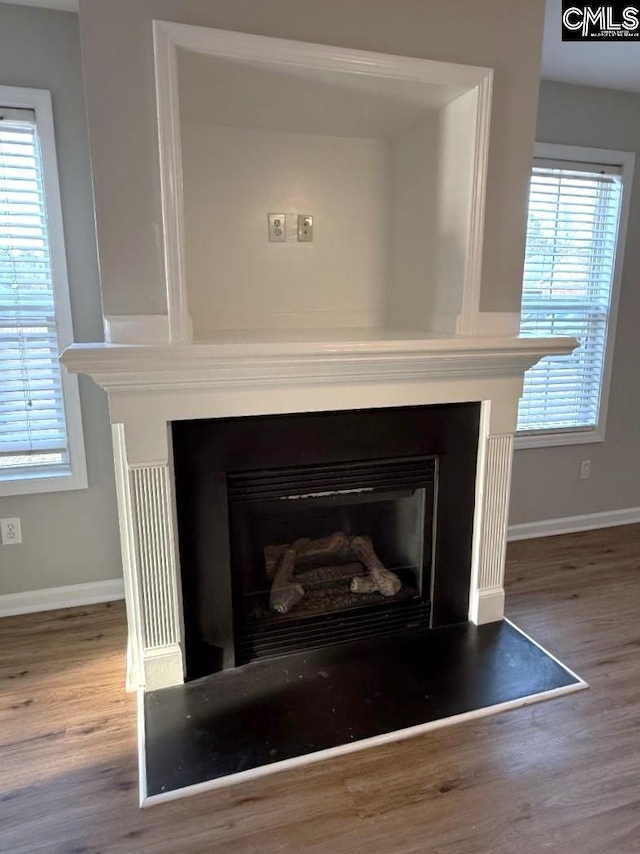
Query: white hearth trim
335	752
546	652
69	596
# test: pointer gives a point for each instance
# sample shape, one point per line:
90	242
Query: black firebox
297	532
307	541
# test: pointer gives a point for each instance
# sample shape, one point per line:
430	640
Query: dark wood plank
560	776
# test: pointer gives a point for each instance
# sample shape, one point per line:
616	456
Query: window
575	238
41	445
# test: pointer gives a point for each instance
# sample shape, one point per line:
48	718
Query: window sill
556	440
31	484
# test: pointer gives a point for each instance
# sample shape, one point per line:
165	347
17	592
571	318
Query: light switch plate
305	228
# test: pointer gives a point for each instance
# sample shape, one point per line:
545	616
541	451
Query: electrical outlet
305	228
277	228
10	531
585	469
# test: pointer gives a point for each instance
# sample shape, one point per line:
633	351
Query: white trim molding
155	657
573	524
158	574
493	484
491	323
254	365
557	439
468	320
171	183
136	329
53	598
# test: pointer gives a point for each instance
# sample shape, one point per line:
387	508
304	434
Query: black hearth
298	532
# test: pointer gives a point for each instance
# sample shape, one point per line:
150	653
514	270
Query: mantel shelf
241	359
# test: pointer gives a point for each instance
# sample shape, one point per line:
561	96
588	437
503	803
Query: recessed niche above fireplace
386	154
298	532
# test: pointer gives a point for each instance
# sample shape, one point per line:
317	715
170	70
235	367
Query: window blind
572	233
32	415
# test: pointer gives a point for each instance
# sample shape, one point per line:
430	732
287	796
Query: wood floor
561	776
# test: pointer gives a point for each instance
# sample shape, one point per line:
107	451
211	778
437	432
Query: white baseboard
571	524
72	596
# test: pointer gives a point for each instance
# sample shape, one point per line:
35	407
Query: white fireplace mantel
260	328
237	361
151	386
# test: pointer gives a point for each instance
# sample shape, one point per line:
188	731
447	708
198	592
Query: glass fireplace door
329	541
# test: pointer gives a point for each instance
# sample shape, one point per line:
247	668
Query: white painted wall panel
234	177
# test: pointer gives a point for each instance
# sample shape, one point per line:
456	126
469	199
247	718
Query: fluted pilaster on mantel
493	490
156	555
152	583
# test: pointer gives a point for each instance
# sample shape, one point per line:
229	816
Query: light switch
305	228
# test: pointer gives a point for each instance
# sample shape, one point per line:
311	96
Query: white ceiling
613	65
610	64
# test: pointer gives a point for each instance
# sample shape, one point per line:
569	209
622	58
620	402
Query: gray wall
69	537
118	63
545	481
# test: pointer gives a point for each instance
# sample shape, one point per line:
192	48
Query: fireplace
371	315
299	532
321	554
312	438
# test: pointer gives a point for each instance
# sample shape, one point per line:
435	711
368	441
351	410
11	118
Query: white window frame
626	161
74	475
